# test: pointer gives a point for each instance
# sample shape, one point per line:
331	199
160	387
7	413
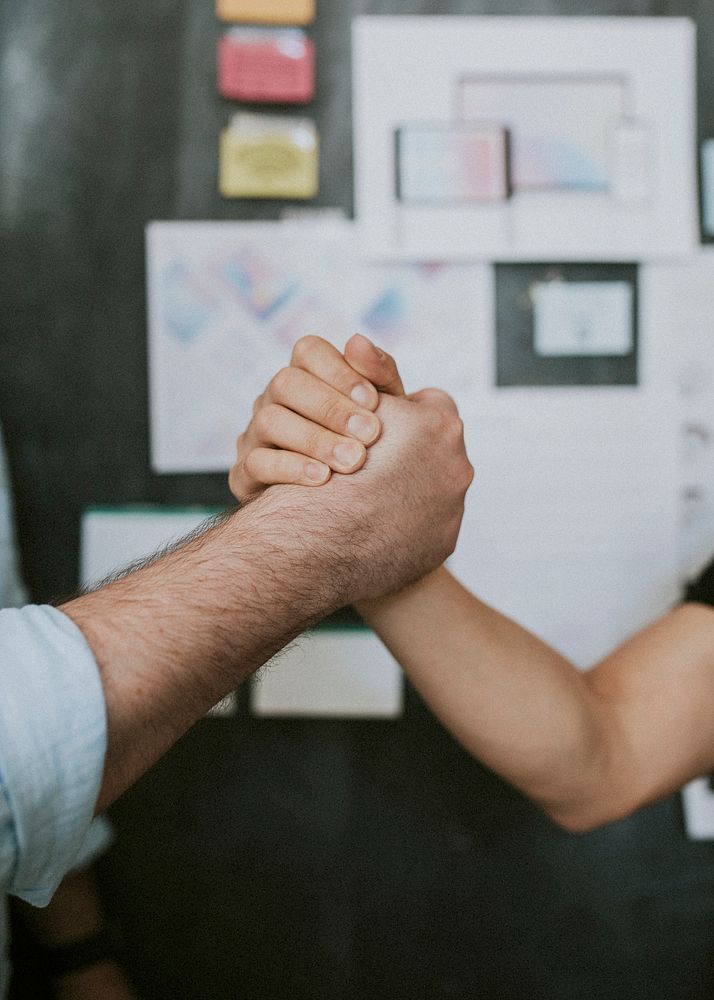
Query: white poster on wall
228	301
525	138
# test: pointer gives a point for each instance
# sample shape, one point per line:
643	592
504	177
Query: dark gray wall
280	859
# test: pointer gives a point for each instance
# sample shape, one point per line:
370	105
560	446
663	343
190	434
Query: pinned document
339	673
266	11
583	318
593	115
263	156
266	65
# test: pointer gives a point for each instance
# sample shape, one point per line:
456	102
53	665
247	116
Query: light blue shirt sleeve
52	746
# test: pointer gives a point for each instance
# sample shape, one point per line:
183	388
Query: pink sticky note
266	66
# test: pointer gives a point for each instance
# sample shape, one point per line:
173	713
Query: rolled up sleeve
53	738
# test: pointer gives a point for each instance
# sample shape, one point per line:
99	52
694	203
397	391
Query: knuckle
316	442
333	413
454	425
266	420
436	418
446	401
295	473
252	465
236	481
281	383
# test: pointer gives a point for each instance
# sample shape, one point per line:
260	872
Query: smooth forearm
174	637
510	699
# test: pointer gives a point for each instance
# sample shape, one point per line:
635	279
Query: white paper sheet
114	537
615	181
571	525
582	318
227	302
698	801
344	673
682	305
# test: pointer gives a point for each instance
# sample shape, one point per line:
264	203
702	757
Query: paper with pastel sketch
227	302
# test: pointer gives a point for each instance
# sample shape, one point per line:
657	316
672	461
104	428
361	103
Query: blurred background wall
274	859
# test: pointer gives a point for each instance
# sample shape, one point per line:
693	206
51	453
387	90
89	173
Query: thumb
373	364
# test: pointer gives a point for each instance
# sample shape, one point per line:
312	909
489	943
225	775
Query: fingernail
364	395
315	472
364	428
347	454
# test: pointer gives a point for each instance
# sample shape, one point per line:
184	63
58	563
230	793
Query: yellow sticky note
266	157
267	11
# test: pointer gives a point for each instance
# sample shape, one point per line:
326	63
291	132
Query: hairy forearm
510	699
175	636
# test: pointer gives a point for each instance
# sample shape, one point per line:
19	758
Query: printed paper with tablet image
569	139
561	129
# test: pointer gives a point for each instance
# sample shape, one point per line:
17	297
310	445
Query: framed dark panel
517	361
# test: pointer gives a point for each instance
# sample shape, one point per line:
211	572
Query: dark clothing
702	590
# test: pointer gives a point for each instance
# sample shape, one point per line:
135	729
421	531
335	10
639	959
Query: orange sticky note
266	11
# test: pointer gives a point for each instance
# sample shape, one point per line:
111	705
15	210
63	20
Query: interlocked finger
310	397
277	427
269	467
322	359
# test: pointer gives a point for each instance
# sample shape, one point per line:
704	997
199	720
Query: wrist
373	611
305	534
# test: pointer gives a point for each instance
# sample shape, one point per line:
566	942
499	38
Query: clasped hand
321	414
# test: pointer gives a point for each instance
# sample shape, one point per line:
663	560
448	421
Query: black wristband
66	958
